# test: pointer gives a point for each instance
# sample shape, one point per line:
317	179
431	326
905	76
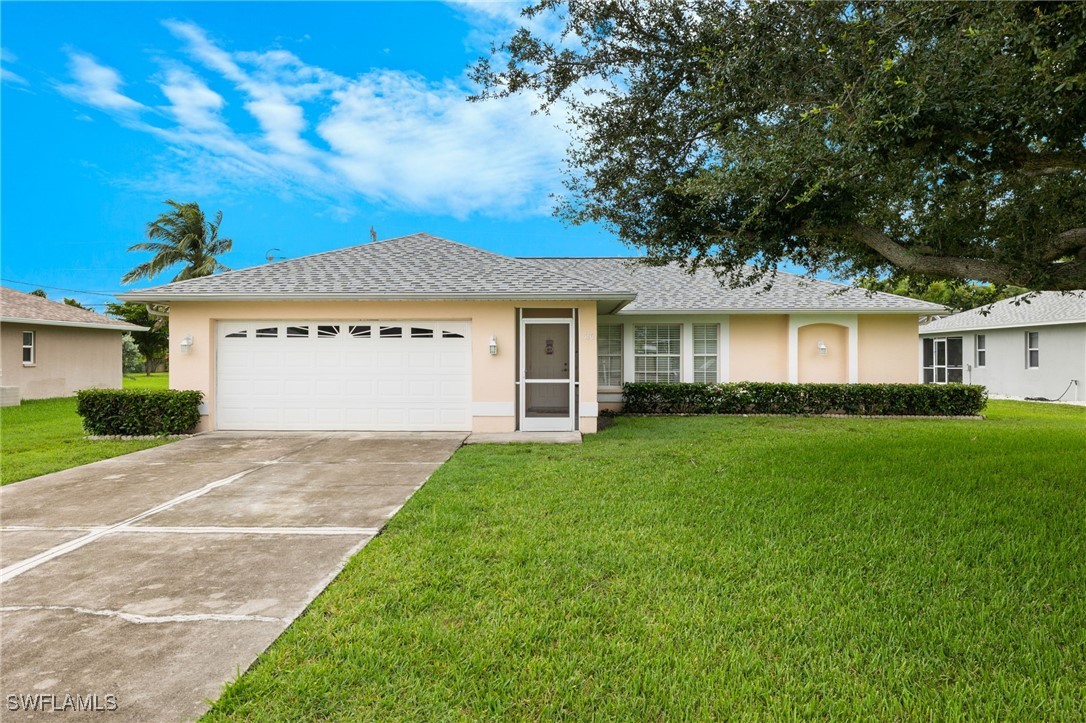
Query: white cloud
97	85
194	105
386	136
400	139
6	74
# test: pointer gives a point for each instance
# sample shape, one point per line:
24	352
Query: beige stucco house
49	349
422	333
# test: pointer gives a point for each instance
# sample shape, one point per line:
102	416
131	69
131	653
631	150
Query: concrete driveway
144	583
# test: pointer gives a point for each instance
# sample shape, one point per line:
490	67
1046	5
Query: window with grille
1033	349
982	350
705	352
28	348
609	355
656	352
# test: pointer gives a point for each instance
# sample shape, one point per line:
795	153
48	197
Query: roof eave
77	324
172	298
993	327
918	312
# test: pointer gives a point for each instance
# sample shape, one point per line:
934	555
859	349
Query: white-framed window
657	352
943	360
609	355
29	351
706	345
1033	349
980	344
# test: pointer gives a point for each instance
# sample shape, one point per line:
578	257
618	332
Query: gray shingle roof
671	288
419	266
15	306
1046	307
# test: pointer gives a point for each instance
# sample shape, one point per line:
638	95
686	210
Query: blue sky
305	123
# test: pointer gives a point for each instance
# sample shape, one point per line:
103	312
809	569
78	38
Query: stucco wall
67	359
759	348
493	377
818	368
1062	358
873	348
887	349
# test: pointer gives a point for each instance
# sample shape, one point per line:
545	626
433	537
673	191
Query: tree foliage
76	304
182	236
131	357
153	343
954	295
938	140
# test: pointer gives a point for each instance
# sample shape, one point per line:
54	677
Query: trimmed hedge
138	412
931	400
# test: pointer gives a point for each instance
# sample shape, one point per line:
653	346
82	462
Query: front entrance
547	390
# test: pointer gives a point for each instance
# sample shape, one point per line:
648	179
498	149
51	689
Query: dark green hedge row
138	412
766	398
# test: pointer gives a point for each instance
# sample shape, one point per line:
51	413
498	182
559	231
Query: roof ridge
296	258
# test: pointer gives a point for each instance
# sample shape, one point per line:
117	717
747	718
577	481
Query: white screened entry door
344	375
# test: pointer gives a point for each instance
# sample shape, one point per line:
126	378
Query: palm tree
182	236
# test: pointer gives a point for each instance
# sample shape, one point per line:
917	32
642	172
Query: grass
46	435
139	380
752	568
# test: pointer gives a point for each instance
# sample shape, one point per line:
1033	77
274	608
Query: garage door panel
391	359
416	378
328	387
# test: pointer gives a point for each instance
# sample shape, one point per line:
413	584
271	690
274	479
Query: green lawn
752	568
46	435
139	380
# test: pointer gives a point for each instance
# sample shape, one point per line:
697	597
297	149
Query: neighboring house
421	333
1016	348
49	349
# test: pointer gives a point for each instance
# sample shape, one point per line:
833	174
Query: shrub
138	412
767	398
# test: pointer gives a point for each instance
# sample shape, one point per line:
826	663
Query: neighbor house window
943	360
1033	349
982	350
656	352
28	348
609	355
705	352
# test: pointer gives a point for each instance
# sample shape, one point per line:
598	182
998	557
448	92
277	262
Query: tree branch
939	266
1066	244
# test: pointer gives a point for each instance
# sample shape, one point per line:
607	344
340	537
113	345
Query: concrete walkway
141	584
524	438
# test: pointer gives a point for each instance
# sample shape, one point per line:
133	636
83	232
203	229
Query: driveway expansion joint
147	619
207	530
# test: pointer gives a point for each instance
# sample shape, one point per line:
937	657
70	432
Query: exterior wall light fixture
186	344
493	346
822	350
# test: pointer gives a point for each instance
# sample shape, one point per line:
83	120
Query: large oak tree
935	140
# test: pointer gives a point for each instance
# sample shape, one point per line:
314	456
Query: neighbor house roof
672	289
21	308
1043	308
422	266
419	266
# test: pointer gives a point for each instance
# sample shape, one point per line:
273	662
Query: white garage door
350	375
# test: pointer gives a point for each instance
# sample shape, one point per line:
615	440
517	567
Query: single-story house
422	333
1016	348
51	349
